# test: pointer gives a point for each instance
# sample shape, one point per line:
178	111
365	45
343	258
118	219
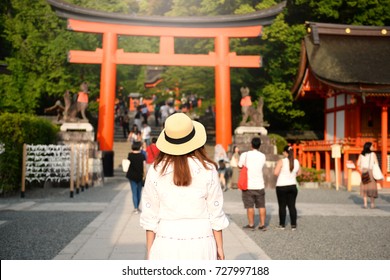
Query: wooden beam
158	31
89	57
121	57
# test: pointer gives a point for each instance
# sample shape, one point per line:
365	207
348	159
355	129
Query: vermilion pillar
384	142
327	166
223	124
105	133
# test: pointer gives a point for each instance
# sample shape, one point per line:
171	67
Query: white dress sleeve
214	200
150	202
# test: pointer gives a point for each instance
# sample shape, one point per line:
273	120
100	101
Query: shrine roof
262	17
354	58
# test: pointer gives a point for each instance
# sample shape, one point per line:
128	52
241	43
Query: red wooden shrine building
112	25
349	68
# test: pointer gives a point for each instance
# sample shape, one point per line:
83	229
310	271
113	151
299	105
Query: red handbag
243	178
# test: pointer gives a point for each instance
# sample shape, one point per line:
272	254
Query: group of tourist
286	170
182	189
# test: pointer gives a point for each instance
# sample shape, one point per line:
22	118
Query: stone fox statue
254	114
57	107
71	109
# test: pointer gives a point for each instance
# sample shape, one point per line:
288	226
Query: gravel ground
324	237
39	235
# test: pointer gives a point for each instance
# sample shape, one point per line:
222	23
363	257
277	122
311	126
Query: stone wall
243	141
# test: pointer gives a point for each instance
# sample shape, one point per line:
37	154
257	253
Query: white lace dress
183	217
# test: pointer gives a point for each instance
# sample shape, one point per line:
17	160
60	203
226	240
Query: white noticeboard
336	151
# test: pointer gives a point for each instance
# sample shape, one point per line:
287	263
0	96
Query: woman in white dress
182	198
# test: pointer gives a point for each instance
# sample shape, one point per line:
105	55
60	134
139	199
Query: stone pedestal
260	130
76	133
76	127
83	133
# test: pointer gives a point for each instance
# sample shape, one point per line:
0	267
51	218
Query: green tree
116	6
35	43
36	56
282	41
356	12
154	7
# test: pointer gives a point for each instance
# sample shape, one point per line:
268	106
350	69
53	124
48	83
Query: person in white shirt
164	111
145	133
287	170
254	196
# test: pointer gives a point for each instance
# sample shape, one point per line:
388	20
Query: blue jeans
136	189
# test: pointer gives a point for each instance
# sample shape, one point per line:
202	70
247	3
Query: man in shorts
254	160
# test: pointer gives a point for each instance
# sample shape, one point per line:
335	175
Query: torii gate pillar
223	115
105	133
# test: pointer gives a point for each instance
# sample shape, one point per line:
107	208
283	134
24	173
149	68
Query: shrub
311	175
280	142
15	130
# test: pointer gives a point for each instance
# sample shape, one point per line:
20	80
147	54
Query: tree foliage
38	51
35	43
282	41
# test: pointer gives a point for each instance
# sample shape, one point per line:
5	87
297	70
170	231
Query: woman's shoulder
136	155
196	163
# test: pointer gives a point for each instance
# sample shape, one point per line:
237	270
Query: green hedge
15	130
280	142
311	175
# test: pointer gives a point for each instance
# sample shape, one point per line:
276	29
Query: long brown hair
290	152
181	169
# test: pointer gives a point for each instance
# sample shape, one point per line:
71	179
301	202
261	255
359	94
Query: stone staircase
121	146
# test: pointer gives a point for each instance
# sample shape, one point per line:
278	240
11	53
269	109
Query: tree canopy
35	43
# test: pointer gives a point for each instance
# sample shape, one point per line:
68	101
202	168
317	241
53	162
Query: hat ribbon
180	140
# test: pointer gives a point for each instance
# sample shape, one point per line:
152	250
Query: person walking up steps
287	170
135	173
254	196
182	199
234	165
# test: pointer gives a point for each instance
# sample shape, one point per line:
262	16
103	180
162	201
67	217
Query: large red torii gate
221	28
109	56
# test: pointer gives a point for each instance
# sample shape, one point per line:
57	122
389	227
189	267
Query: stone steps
122	147
121	150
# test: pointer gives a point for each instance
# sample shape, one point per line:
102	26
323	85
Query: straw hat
181	135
